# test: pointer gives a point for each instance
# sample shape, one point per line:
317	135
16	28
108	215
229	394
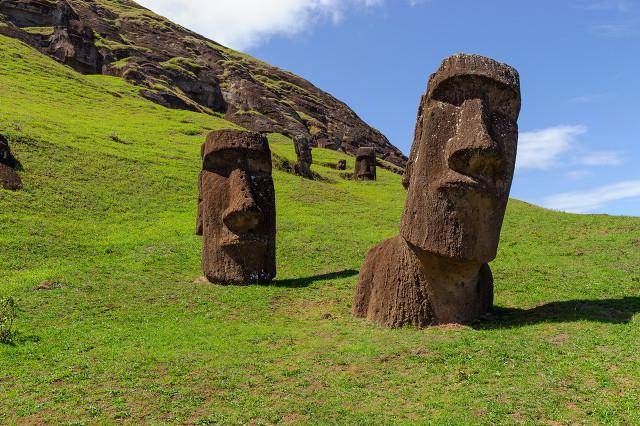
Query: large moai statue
459	177
236	208
9	178
365	164
302	145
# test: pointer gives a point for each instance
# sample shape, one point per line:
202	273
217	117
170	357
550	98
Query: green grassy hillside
129	333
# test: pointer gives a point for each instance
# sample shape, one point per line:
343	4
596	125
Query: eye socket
496	97
223	162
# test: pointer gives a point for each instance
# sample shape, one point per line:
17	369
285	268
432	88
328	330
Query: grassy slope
133	335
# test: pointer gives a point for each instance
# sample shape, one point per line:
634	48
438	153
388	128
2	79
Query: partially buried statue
236	208
365	164
458	176
9	178
302	145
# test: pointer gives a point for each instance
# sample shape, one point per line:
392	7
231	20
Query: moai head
462	160
365	164
236	211
302	145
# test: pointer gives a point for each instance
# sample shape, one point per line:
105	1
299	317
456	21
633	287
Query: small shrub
8	315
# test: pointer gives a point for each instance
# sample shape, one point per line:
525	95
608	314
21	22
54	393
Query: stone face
177	68
236	208
459	176
302	145
9	178
365	168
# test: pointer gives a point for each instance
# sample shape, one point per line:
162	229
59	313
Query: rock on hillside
181	69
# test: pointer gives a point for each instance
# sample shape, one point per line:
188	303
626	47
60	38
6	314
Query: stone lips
459	175
180	69
236	208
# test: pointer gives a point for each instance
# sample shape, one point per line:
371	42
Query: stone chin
460	224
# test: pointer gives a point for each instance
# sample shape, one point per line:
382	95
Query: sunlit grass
108	214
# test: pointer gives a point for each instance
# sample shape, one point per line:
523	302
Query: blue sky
578	61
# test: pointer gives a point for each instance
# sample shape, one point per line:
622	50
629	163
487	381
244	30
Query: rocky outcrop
304	157
180	69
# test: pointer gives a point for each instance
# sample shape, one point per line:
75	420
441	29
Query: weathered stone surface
9	178
459	177
365	168
236	208
302	145
180	69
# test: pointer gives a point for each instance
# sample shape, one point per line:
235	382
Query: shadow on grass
614	311
307	281
18	338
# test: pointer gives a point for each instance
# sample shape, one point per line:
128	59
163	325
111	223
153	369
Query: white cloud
245	23
619	5
616	30
542	149
593	199
558	146
601	158
578	174
585	99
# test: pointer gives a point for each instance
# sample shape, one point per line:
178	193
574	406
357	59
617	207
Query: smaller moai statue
236	208
342	165
302	145
9	178
365	164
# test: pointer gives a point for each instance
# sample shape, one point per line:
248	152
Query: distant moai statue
302	145
365	168
236	208
459	177
9	178
342	165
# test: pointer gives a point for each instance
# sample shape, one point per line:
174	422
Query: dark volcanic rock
9	178
236	208
342	165
459	177
302	146
180	69
365	168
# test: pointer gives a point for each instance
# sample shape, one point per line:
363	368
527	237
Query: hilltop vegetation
128	332
178	68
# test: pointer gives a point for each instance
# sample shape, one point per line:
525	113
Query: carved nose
472	151
243	214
